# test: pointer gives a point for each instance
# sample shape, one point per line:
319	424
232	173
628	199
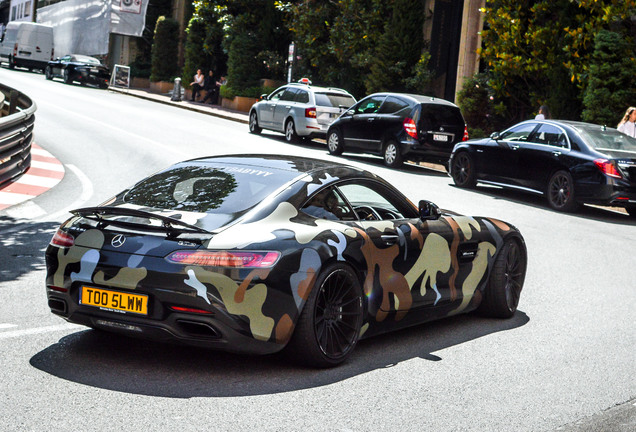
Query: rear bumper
417	151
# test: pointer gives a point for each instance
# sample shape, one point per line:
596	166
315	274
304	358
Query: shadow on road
23	245
113	362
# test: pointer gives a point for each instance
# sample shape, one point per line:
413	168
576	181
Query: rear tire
463	170
335	145
328	328
290	132
501	297
254	128
11	63
67	77
560	192
391	154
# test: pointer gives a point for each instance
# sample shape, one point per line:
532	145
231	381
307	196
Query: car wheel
560	192
328	328
501	297
290	132
463	170
631	211
391	154
67	77
254	128
48	73
335	145
11	63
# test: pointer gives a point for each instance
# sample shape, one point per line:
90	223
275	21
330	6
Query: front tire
506	282
328	328
463	170
391	154
254	128
48	73
290	132
560	192
67	77
335	145
11	63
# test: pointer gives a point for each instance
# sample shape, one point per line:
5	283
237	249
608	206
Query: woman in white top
544	113
628	124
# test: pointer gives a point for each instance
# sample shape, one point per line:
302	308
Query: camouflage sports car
257	253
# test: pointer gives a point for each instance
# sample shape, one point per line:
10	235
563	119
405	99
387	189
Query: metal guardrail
17	118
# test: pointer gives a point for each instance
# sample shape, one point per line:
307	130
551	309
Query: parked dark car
399	127
569	162
81	68
256	253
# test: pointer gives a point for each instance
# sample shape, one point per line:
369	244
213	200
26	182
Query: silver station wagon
299	110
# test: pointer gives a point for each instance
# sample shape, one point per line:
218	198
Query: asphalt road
566	361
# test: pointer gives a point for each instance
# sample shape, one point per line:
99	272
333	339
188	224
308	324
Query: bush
482	115
165	49
253	92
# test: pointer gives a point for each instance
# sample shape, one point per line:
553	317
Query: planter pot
239	103
161	87
140	82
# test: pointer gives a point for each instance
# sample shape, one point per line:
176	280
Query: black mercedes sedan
80	68
571	163
399	127
260	253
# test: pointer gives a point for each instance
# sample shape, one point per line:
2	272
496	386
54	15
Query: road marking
87	192
6	326
39	330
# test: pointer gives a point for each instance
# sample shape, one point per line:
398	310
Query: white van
27	44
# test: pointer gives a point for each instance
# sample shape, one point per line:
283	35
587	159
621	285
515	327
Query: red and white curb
45	172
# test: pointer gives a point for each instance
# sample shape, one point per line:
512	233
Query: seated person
324	205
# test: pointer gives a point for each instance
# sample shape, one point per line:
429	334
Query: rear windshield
336	100
222	189
10	35
434	116
602	138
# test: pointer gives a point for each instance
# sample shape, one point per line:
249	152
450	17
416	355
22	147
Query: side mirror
351	112
263	96
429	211
494	136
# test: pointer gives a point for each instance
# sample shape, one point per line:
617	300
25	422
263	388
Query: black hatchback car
571	163
399	126
77	67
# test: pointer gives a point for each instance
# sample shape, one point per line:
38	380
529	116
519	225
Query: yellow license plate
114	300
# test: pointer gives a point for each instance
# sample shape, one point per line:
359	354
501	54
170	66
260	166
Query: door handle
514	147
556	153
389	238
371	119
287	106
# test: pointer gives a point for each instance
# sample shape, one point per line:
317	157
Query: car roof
576	125
317	89
417	98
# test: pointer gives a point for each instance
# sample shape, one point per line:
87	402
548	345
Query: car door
408	260
499	158
267	107
283	107
359	132
541	155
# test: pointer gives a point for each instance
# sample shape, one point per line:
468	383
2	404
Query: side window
373	203
289	95
370	105
328	204
550	135
392	105
276	96
519	133
302	96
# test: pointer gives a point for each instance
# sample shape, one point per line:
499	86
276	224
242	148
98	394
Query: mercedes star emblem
118	240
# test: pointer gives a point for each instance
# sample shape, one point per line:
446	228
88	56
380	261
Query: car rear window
602	138
221	189
436	115
336	100
392	105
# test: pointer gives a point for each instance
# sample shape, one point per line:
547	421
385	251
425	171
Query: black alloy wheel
334	142
391	154
290	132
463	171
329	325
254	128
506	282
560	192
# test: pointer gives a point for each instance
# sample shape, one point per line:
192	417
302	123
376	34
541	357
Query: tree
611	88
165	50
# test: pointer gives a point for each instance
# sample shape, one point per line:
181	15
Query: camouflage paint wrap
435	268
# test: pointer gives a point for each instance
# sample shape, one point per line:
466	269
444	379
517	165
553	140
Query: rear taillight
410	127
225	258
62	239
310	112
607	168
466	137
190	310
15	49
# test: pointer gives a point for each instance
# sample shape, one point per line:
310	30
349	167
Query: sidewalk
202	108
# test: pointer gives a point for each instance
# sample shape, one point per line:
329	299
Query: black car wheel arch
328	328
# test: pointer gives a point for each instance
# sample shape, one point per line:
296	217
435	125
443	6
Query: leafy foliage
477	104
611	86
164	50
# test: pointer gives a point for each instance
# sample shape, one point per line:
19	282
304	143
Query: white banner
128	17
